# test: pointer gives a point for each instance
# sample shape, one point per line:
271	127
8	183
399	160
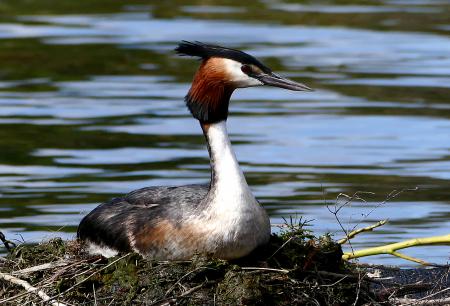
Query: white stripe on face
236	76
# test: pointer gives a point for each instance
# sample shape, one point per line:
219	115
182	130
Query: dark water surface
91	107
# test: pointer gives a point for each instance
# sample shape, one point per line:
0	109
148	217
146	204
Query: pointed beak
275	80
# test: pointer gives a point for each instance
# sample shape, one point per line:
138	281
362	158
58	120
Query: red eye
246	69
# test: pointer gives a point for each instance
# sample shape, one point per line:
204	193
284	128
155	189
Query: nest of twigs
294	269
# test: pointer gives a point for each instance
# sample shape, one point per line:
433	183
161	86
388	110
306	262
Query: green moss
28	255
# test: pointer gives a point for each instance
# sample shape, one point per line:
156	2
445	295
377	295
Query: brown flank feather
159	236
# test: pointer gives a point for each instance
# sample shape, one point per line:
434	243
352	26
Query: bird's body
173	223
176	222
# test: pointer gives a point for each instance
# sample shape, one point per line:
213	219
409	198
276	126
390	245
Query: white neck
228	186
236	222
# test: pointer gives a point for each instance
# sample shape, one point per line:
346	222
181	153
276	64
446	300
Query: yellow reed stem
393	247
369	228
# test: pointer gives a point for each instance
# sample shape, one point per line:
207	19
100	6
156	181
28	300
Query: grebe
174	223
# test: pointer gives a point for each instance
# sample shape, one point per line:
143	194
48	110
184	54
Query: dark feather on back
110	223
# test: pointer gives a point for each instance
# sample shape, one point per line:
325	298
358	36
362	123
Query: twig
434	294
95	296
59	272
181	278
50	265
358	291
348	201
88	270
173	300
282	246
29	288
336	282
266	269
436	302
4	259
392	195
361	230
14	297
356	196
340	275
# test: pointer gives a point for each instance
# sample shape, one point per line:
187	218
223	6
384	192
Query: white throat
229	186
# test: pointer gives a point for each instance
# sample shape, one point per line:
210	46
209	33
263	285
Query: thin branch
95	296
46	266
411	302
357	196
392	195
181	278
282	246
171	301
29	288
192	290
348	201
361	230
336	282
435	293
266	269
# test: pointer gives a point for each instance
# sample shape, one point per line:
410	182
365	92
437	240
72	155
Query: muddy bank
294	269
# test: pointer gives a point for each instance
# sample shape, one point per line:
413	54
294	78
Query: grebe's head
221	72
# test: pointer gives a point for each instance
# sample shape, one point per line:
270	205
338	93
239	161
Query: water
91	107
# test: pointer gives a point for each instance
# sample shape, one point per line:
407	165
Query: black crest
206	51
